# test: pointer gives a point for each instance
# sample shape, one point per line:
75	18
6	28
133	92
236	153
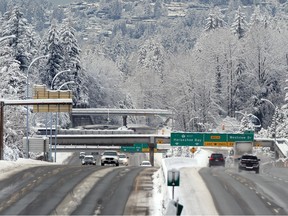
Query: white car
146	164
88	160
110	157
123	159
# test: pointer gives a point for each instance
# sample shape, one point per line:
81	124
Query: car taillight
221	158
211	158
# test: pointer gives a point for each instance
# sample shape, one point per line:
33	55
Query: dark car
216	159
249	162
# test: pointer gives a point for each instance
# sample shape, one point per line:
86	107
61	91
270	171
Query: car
82	155
249	162
146	164
123	159
88	160
216	159
110	157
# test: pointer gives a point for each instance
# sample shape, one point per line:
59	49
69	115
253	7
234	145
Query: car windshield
217	156
249	157
110	153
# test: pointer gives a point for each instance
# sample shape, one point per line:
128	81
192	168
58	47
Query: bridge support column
124	120
1	129
151	150
151	153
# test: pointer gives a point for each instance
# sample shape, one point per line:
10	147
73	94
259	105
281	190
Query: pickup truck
110	157
249	162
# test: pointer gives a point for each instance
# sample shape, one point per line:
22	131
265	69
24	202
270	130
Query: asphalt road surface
77	189
247	193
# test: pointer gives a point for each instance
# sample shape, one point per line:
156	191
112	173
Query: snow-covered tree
72	62
53	49
24	44
246	124
239	25
215	19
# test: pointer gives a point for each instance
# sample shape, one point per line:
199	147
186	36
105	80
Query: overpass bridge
102	140
81	116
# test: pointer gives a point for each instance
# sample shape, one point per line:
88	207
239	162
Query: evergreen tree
72	62
246	124
23	45
239	24
54	62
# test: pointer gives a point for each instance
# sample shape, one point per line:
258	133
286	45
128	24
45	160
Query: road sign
186	139
215	137
147	150
193	150
226	144
209	139
128	149
40	92
247	137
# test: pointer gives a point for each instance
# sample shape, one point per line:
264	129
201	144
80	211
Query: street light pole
250	114
27	97
56	123
275	108
192	121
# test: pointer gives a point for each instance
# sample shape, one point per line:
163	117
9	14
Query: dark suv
249	162
216	159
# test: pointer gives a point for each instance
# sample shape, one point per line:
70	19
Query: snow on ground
192	192
10	167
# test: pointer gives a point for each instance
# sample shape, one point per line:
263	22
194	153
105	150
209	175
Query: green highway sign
186	139
137	147
246	137
209	139
128	149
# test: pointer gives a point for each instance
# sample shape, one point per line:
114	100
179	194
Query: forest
207	61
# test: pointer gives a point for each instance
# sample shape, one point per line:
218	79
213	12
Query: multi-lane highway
109	190
73	189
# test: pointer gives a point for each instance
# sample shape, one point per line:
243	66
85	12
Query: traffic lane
39	190
135	159
232	196
271	188
110	194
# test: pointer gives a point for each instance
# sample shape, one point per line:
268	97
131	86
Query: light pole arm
66	83
61	72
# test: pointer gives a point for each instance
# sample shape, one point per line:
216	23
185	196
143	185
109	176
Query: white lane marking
276	210
251	188
262	197
269	203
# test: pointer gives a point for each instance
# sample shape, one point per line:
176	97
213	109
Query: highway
75	189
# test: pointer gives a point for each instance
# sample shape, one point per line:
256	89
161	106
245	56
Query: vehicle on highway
216	159
88	160
146	164
249	162
110	157
82	155
123	159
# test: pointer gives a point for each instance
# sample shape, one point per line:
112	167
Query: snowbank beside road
9	167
